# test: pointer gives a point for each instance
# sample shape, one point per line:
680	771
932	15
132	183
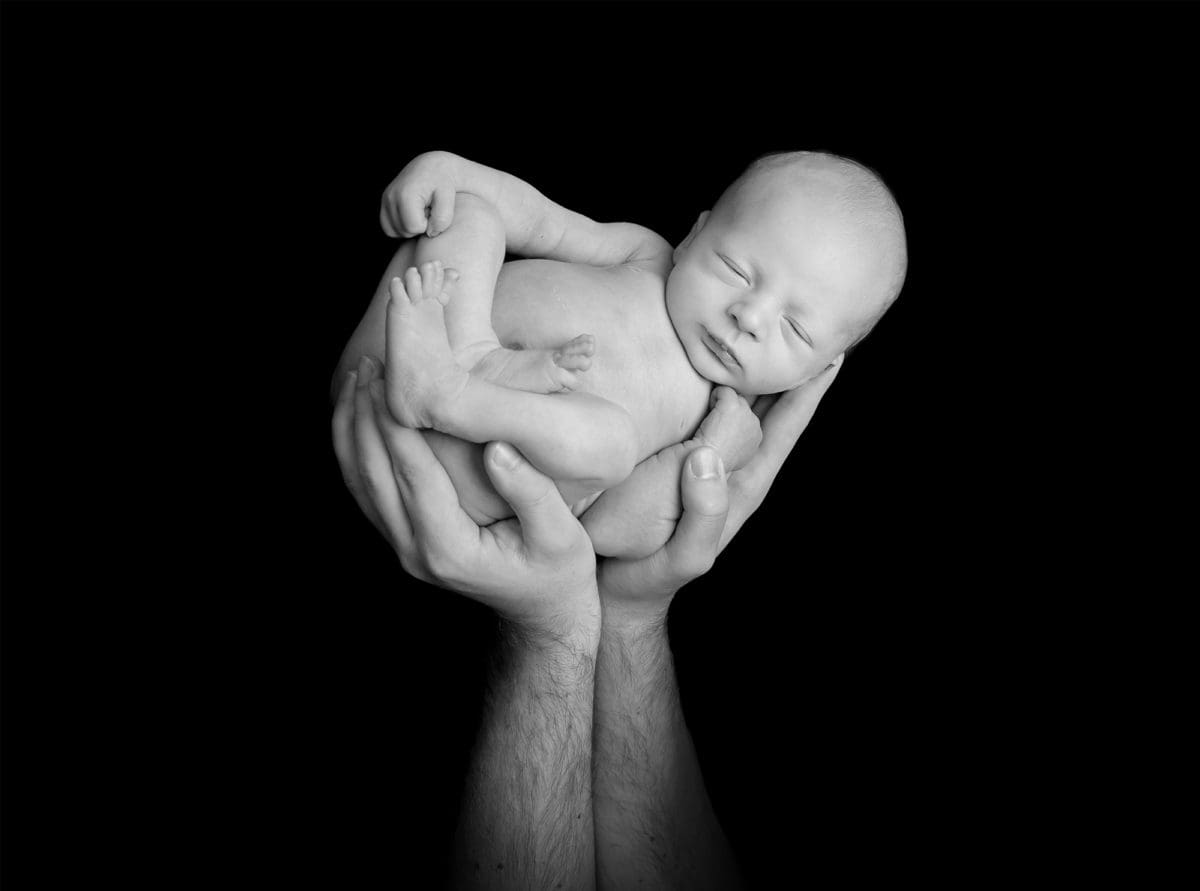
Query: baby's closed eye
734	268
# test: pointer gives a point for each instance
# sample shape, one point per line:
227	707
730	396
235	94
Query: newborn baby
799	257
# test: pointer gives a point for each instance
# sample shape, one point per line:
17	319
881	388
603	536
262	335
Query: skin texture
807	269
780	277
584	771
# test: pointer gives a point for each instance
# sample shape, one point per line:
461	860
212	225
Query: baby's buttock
476	494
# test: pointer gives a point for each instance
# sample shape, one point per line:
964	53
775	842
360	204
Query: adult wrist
634	617
573	624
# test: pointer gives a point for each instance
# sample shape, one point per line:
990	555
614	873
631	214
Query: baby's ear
696	227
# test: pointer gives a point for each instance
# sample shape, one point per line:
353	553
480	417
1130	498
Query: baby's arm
569	436
473	246
534	226
637	517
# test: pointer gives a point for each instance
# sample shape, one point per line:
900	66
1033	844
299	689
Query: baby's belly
543	304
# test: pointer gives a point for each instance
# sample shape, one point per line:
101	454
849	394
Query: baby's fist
731	428
420	201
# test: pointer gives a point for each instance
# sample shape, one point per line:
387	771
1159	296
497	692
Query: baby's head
797	260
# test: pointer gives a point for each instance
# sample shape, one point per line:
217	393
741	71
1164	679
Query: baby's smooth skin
764	293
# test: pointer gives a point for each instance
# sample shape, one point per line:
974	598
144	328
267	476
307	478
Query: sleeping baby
608	355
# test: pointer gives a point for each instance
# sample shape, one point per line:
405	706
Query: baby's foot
539	371
422	377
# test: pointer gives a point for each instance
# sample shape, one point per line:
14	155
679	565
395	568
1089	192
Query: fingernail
452	274
375	388
705	464
364	369
505	456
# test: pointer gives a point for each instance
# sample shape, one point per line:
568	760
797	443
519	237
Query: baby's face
767	293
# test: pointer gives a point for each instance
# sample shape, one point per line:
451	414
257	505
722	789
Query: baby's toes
439	279
412	284
577	353
584	344
399	293
430	270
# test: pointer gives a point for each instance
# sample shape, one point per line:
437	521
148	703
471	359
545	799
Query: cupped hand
716	504
537	569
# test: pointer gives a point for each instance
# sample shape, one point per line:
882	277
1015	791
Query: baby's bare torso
639	363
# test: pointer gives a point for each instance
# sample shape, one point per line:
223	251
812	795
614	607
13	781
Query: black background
214	665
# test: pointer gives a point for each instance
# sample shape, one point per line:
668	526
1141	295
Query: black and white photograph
563	445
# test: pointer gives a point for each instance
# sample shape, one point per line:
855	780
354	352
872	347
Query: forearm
527	817
655	827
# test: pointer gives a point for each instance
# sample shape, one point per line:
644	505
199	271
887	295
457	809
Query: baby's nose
748	316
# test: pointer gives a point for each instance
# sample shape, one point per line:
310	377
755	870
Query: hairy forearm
527	818
655	827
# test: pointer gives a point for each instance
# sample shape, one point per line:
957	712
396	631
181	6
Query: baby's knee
476	219
474	236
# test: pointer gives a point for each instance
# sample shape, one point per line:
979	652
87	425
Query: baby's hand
731	427
420	201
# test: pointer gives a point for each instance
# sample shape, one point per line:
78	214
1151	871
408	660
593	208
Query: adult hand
537	569
715	504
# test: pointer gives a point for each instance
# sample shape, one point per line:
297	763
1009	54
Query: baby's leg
639	516
473	245
568	436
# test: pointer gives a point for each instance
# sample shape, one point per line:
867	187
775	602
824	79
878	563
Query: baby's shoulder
654	253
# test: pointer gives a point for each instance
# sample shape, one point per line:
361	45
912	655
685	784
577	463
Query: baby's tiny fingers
441	211
412	213
386	213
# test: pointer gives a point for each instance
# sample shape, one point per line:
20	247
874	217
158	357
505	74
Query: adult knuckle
366	484
411	564
695	563
404	472
440	562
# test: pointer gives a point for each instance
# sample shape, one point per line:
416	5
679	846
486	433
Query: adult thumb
705	495
546	521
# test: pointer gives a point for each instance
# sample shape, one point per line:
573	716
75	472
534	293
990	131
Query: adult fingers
784	421
374	463
705	496
547	524
787	419
346	449
439	527
398	522
762	405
